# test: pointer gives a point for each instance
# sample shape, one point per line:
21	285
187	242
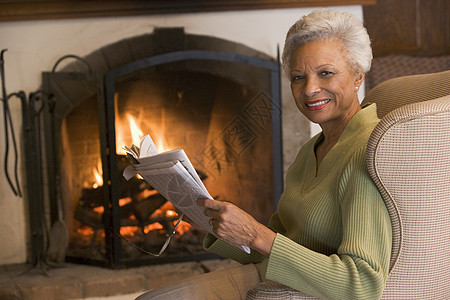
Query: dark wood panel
435	26
14	10
392	25
409	27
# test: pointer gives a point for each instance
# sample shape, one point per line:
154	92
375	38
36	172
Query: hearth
218	100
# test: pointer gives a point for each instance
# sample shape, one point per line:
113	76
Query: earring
356	88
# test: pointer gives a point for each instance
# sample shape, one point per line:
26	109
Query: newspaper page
173	176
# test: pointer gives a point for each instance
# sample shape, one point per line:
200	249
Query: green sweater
333	230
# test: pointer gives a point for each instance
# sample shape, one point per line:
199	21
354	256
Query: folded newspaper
173	176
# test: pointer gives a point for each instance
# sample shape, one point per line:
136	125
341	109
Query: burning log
89	217
143	211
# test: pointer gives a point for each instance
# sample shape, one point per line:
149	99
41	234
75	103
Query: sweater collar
368	114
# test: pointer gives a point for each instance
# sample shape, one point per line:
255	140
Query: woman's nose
312	87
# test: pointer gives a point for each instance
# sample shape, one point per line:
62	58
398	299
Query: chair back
408	157
397	92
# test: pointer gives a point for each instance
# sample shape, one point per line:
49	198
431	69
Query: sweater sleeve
360	267
217	246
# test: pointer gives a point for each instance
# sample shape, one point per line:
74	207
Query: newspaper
173	176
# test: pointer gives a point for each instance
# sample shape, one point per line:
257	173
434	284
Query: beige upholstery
396	92
408	157
275	291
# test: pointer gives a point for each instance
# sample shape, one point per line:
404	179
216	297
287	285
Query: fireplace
218	100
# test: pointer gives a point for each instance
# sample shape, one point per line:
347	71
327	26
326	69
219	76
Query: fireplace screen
222	108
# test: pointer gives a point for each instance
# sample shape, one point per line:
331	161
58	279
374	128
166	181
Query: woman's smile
317	104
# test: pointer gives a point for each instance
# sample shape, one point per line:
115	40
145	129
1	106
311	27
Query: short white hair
328	24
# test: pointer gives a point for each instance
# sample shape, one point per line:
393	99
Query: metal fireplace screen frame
105	90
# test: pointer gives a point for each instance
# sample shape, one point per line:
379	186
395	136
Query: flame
154	226
99	209
160	142
128	230
124	201
146	193
171	213
168	206
161	145
183	227
136	132
85	231
98	174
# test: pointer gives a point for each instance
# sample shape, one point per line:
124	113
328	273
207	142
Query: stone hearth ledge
74	281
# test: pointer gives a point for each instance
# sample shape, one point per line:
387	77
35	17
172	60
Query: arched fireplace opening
218	100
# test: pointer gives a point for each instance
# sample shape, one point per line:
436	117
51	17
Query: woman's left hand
233	225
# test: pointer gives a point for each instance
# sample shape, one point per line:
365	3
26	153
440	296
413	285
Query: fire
183	227
147	192
171	213
131	128
136	132
154	226
98	174
167	210
99	209
85	231
126	131
161	145
122	202
128	230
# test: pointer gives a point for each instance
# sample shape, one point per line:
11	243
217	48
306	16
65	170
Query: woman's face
322	83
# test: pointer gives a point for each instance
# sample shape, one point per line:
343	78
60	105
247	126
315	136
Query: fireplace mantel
46	9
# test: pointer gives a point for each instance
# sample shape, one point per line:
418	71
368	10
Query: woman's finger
210	213
211	204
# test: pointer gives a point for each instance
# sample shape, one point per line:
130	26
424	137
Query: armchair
408	157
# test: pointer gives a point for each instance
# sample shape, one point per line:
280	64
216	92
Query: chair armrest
271	290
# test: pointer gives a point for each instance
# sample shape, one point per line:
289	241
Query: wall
34	46
409	27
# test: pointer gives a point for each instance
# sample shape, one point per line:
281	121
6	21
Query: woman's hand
233	225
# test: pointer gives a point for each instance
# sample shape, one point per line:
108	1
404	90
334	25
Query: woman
331	235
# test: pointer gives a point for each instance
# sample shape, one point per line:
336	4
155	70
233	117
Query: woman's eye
325	73
297	77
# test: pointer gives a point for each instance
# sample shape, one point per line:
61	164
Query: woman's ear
359	80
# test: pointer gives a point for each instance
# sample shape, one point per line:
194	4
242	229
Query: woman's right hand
234	225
